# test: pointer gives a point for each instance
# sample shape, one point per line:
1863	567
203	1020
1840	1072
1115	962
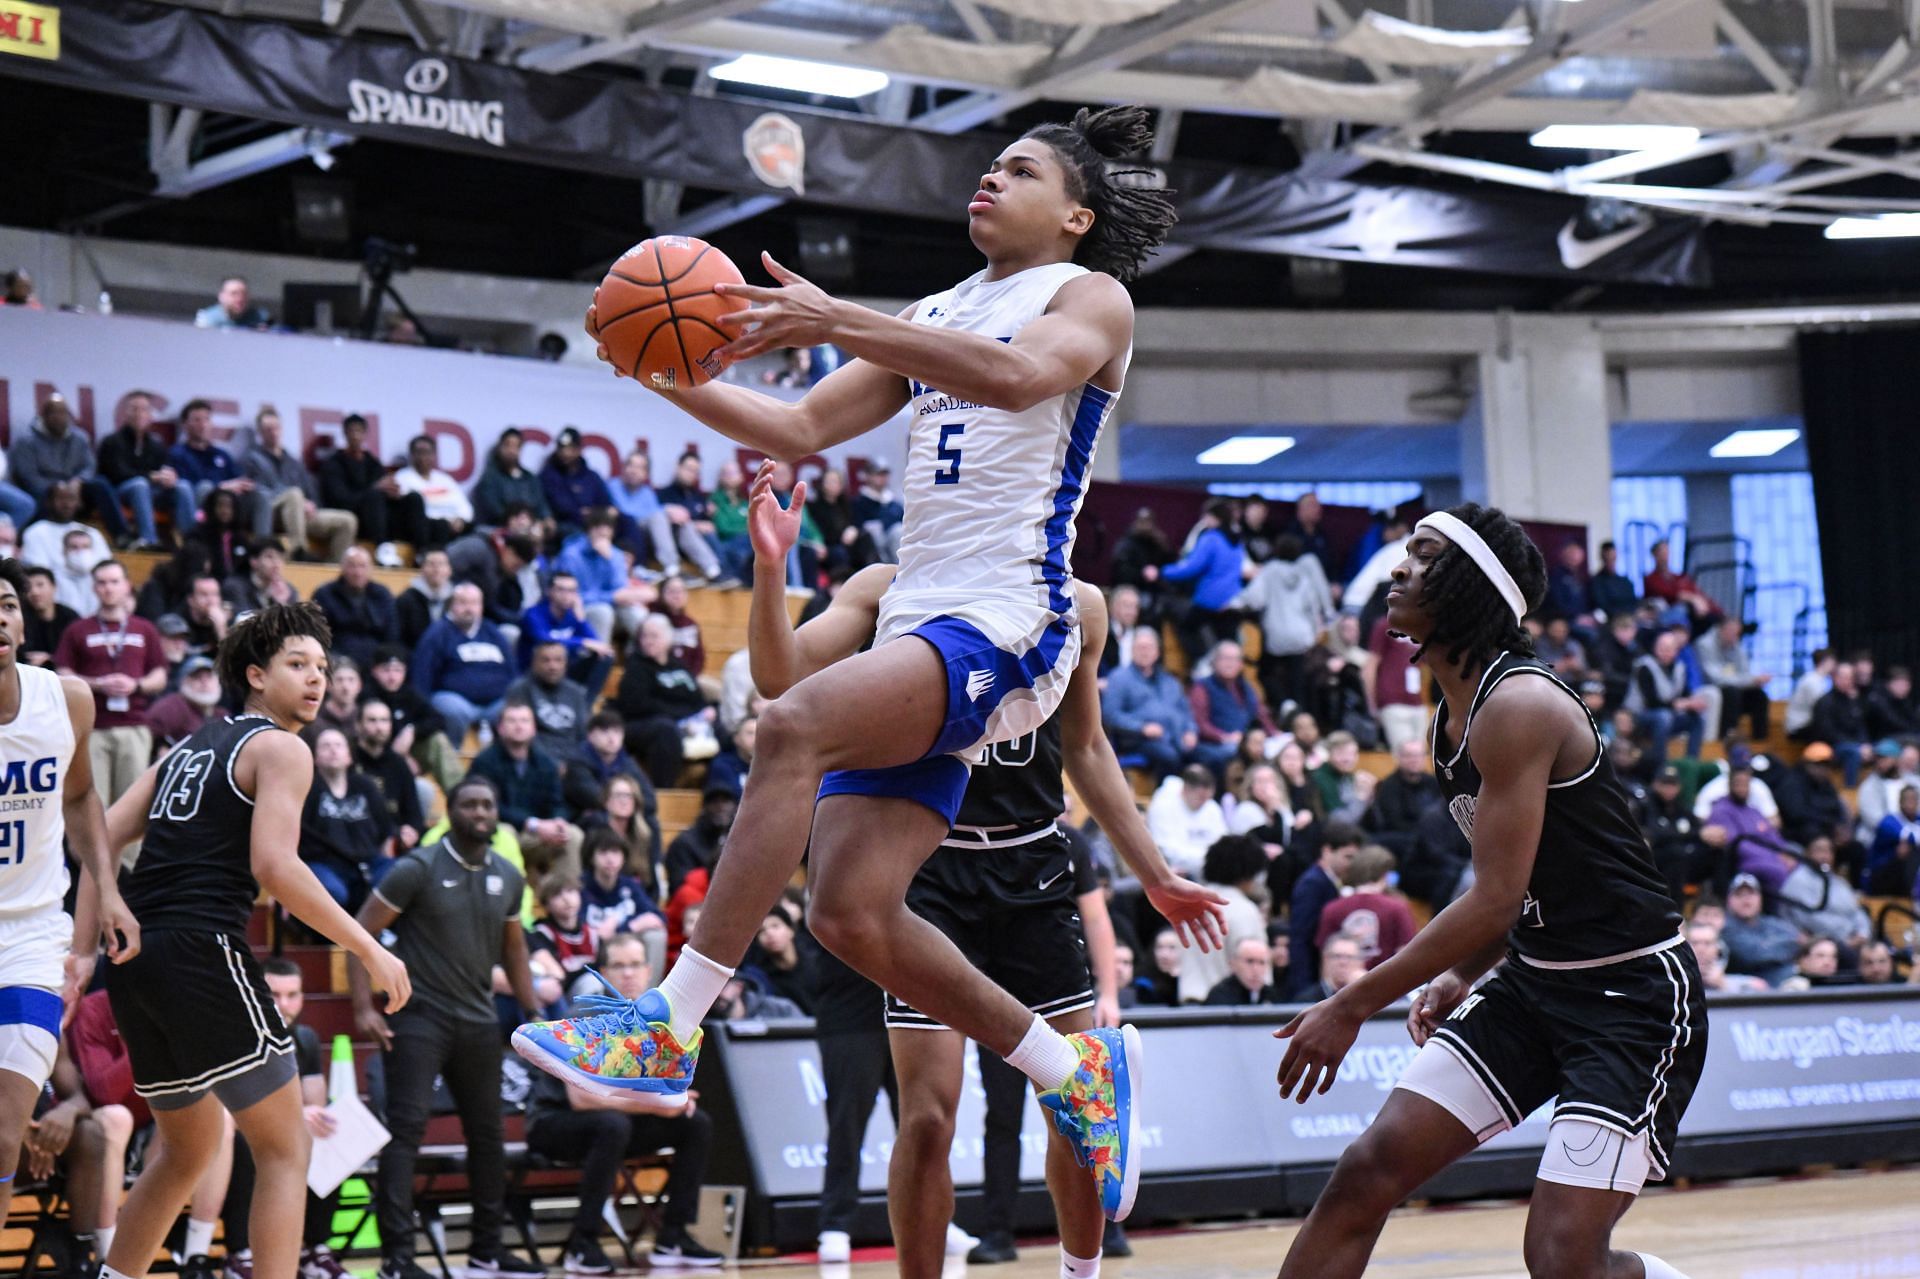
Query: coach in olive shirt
454	910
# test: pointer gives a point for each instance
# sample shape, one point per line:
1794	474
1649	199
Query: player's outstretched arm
1521	727
99	912
1197	914
1086	327
778	655
277	770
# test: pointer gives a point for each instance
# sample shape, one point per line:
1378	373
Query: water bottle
340	1081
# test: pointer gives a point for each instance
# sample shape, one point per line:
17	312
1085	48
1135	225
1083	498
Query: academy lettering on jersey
928	401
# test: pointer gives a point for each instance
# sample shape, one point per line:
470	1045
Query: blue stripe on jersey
965	651
1073	478
31	1006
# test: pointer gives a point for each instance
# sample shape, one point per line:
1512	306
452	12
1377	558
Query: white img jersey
991	494
36	750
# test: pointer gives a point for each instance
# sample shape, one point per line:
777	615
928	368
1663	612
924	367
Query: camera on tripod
384	257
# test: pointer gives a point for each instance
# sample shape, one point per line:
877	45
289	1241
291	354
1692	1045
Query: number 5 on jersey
949	453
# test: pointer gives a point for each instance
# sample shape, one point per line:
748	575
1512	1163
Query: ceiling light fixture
1616	137
1885	227
1245	450
799	76
1755	443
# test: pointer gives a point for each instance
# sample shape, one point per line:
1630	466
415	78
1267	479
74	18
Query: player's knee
845	925
1368	1181
115	1123
1559	1255
926	1128
782	727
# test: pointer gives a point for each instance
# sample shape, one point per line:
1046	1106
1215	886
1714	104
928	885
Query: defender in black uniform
220	816
1003	888
1599	1002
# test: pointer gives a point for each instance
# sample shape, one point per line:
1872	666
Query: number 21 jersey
196	864
35	752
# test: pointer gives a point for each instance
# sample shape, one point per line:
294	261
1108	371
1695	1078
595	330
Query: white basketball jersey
36	750
991	494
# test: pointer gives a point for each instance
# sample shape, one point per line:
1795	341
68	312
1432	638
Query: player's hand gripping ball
655	316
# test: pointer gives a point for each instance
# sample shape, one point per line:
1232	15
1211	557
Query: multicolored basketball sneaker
616	1048
1094	1110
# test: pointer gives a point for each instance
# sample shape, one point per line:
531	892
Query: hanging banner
463	401
378	88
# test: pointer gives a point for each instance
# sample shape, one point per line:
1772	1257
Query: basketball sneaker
616	1048
1094	1110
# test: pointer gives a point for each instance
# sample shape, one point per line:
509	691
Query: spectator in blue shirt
205	467
687	507
1896	849
658	538
1317	888
557	619
613	602
528	779
1213	566
464	665
572	487
1146	712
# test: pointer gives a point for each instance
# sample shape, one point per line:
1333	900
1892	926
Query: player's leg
1410	1140
277	1136
190	1130
1076	1197
209	1195
866	851
116	1129
1569	1233
930	1064
18	1093
827	721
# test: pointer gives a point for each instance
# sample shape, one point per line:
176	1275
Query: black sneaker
402	1268
503	1265
994	1248
678	1248
584	1256
1115	1244
199	1266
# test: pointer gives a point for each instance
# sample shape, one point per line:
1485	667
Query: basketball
657	314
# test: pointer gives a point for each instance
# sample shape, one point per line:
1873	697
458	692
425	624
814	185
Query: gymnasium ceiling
1803	107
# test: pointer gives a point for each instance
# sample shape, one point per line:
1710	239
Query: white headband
1455	530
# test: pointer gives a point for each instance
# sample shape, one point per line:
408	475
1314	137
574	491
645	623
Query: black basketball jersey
1015	794
196	863
1594	893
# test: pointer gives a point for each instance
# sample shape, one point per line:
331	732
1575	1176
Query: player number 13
949	453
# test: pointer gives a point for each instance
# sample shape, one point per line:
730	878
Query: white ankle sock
108	1272
199	1237
1656	1268
103	1240
691	988
1044	1055
1072	1267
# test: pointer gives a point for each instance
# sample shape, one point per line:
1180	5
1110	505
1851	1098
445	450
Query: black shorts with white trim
1013	914
194	1011
1621	1044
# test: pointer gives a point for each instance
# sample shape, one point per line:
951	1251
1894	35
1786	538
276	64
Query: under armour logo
977	684
935	312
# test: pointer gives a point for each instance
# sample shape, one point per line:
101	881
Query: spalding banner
463	401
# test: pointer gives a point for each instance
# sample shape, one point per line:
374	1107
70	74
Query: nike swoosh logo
454	883
1051	880
1576	253
1616	994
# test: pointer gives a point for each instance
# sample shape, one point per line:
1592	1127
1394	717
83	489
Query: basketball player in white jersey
46	797
1009	377
1032	938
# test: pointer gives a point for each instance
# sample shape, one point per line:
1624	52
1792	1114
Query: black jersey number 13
183	779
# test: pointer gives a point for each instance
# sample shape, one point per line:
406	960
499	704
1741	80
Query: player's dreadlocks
256	637
1129	220
1469	618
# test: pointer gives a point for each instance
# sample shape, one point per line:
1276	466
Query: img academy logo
415	105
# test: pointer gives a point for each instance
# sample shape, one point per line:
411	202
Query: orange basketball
656	311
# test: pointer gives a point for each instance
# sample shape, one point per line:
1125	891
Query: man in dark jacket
699	846
1810	804
658	695
1840	720
600	758
389	772
359	609
1891	711
528	779
352	478
1250	977
498	562
1402	799
573	488
133	465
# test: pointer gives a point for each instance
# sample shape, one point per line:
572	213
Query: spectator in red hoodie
1370	912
